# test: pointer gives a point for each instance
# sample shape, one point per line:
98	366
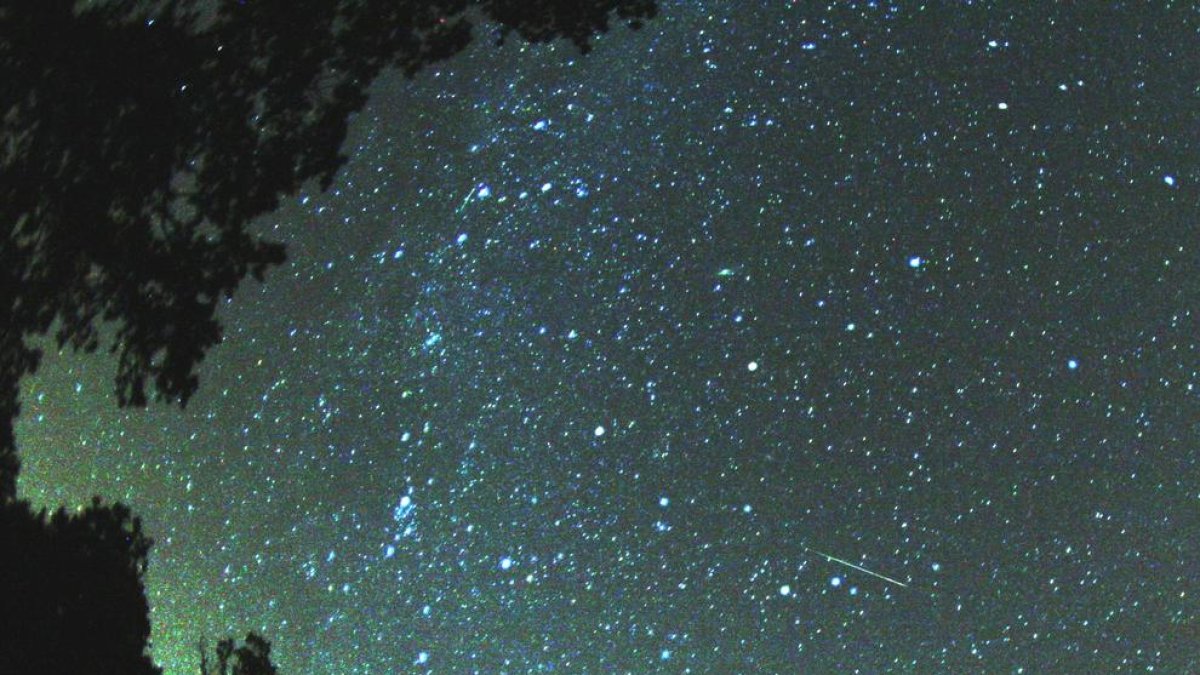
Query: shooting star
476	193
851	565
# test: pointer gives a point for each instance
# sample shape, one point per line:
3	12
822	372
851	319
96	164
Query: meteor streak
851	565
466	200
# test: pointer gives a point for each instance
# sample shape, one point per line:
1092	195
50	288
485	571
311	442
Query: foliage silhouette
71	594
253	657
138	144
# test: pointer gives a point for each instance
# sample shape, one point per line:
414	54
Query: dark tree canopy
252	657
137	145
71	594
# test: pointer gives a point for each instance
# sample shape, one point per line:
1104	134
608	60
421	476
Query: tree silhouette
72	600
71	594
138	144
253	657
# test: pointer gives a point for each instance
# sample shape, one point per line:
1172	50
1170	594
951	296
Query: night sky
617	362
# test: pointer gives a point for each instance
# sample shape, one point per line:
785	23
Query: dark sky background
585	362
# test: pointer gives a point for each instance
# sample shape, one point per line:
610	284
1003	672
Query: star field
590	363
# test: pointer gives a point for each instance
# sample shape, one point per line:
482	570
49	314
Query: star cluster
585	360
